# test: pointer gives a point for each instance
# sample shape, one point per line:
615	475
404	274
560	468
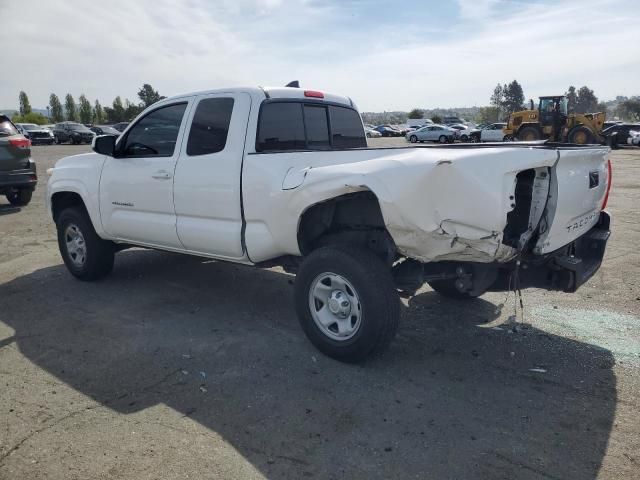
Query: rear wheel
529	134
346	302
580	135
86	255
20	197
56	140
413	139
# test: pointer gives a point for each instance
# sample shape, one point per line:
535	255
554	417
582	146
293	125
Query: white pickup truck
283	176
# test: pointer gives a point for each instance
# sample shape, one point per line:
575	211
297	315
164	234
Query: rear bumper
23	178
569	267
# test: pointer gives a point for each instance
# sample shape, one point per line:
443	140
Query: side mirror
104	144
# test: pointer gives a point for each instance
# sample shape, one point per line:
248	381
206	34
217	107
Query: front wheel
347	303
442	139
20	197
413	139
86	255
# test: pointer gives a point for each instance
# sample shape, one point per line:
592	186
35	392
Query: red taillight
20	142
606	195
313	94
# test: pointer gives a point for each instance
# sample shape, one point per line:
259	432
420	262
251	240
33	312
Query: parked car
121	127
634	138
72	132
18	176
388	131
432	133
618	134
463	132
415	124
282	176
493	133
35	133
371	133
452	120
104	130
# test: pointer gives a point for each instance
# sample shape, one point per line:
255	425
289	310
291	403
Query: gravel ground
178	367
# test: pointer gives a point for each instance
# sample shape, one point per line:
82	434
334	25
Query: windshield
78	128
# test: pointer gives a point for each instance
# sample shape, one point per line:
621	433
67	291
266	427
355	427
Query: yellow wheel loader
551	121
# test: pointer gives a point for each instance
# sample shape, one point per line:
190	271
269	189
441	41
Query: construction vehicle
551	121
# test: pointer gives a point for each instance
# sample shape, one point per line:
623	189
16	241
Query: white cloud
104	49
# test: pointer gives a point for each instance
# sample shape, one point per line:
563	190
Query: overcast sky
386	55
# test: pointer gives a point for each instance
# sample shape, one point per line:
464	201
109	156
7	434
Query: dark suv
74	133
17	171
618	134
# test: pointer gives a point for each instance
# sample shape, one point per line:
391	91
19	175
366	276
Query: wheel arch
70	195
348	219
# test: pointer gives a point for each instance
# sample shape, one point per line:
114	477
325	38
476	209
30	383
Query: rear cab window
304	125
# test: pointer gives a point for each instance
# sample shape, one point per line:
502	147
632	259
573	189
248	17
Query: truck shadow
449	400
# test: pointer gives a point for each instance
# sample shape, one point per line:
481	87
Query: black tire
99	253
507	138
56	140
379	302
413	139
443	139
448	289
580	135
464	138
20	197
529	134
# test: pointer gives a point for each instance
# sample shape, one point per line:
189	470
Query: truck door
136	186
207	191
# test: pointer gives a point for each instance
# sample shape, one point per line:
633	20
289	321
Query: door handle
161	175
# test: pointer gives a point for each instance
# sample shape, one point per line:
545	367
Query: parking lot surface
180	367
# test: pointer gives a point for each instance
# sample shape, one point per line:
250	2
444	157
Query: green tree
488	115
85	110
25	106
601	107
513	97
117	112
131	110
497	100
416	113
436	119
98	114
630	109
572	99
31	117
148	95
56	108
587	101
70	108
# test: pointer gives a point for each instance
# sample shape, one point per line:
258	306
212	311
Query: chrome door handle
161	175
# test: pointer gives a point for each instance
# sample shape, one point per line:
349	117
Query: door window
210	126
156	134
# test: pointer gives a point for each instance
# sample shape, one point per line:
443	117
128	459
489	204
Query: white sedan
494	133
432	133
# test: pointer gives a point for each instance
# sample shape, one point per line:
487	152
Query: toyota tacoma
283	177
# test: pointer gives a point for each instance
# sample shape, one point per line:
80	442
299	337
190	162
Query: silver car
432	133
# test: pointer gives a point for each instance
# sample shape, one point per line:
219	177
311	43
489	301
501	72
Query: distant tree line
85	112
